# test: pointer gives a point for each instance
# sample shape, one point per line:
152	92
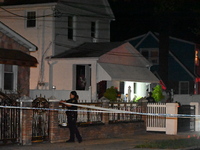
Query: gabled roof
21	2
18	38
89	50
97	7
136	41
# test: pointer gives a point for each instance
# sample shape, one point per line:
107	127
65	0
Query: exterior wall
8	43
64	75
41	35
23	72
186	99
23	80
50	33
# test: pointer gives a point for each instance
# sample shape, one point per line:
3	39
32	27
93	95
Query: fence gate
186	124
9	120
40	120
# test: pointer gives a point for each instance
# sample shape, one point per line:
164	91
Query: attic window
31	19
151	54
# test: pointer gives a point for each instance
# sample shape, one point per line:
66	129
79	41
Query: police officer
72	117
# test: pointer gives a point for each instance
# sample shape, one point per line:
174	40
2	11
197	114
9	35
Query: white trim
176	59
15	77
188	42
149	33
12	34
30	5
26	19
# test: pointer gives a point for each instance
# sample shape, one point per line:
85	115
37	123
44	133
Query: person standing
72	117
150	98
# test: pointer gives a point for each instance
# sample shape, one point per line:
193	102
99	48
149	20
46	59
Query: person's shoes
70	141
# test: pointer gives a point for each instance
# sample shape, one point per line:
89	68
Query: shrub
111	93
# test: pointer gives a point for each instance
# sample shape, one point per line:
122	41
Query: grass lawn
173	144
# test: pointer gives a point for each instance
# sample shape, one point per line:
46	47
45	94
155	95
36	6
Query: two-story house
56	26
60	28
183	61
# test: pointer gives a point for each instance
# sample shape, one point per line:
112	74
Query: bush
111	93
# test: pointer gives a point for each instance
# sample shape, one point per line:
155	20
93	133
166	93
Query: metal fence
9	120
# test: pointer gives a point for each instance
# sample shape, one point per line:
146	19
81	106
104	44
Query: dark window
121	87
93	29
8	77
70	27
31	19
184	87
145	54
80	77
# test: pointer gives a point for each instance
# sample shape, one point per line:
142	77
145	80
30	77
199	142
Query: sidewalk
126	143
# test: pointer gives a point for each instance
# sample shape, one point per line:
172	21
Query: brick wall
61	134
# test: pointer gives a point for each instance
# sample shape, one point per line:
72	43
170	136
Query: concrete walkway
126	143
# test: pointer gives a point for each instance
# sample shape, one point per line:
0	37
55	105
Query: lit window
83	76
70	27
196	58
183	87
31	19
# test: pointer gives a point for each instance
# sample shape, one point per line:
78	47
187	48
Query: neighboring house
55	26
15	61
91	68
183	61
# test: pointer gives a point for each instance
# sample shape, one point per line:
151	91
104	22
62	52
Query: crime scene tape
105	110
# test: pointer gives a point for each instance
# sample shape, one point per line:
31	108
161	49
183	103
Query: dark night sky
136	17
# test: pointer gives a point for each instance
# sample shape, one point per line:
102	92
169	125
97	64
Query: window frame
15	76
70	27
150	58
180	87
35	19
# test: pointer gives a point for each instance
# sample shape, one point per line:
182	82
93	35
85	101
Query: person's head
150	93
73	94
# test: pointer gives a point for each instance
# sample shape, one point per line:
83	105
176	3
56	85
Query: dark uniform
72	119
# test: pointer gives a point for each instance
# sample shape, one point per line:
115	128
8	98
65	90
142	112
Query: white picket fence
168	124
156	123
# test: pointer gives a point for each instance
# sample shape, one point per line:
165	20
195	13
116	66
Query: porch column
53	122
94	81
171	122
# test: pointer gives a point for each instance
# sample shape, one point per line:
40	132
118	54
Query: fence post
26	120
197	112
105	116
171	122
53	122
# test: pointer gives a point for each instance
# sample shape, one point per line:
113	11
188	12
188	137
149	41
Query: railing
88	116
119	117
156	123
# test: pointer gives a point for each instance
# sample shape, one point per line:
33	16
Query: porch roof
16	57
108	71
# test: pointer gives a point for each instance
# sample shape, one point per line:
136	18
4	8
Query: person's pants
73	130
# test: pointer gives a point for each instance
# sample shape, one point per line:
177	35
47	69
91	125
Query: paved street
126	143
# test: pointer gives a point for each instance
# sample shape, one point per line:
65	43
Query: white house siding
51	36
64	76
